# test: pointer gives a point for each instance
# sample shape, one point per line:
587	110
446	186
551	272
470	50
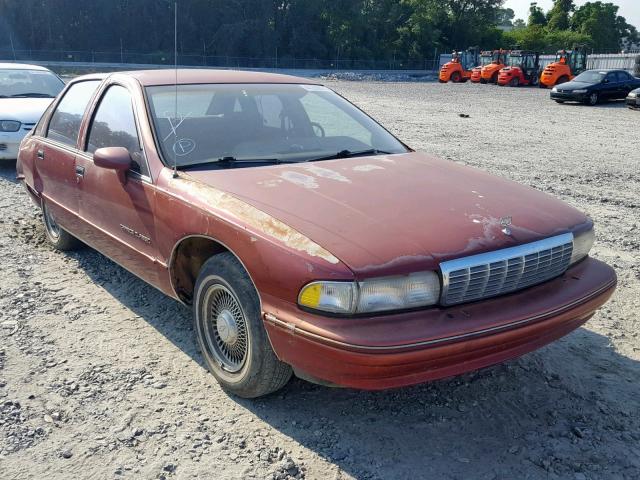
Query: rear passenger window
114	125
65	121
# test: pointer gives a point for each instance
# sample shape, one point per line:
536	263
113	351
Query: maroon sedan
307	238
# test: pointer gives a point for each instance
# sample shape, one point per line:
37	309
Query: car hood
25	110
573	85
381	215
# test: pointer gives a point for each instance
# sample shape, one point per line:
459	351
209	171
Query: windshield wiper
229	161
350	154
32	94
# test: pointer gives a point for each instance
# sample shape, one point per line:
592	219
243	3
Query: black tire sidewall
226	270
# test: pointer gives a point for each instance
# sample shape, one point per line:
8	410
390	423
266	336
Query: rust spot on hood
249	215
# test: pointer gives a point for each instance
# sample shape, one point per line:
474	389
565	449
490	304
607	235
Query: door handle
40	154
79	171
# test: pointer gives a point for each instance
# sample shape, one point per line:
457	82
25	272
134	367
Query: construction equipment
486	57
523	68
459	68
567	65
489	73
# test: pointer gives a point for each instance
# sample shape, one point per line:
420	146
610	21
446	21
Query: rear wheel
60	239
230	332
515	81
455	77
593	99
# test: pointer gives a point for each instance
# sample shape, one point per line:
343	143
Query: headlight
582	243
580	90
9	126
633	95
374	295
554	89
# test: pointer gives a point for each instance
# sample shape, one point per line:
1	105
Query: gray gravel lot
100	378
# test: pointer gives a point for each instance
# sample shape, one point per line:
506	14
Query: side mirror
606	80
113	158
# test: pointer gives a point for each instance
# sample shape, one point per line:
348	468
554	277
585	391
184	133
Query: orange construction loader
489	73
523	68
486	57
459	68
568	64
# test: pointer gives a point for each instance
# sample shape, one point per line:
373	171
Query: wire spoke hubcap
51	224
226	329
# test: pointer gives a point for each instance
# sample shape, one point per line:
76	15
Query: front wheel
593	99
230	332
515	81
455	77
59	238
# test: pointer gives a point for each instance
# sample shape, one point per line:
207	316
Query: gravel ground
100	378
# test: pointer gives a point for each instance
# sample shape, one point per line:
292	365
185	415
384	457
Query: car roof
21	66
195	76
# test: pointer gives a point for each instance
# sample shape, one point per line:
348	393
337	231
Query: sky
629	9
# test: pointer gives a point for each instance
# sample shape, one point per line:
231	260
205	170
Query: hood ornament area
506	224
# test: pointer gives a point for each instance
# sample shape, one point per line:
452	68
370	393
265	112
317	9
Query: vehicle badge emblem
506	224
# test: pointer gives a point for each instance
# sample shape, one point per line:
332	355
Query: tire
593	99
559	101
515	82
482	80
59	238
442	81
455	77
234	345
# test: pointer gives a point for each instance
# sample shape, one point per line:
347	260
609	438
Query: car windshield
230	124
29	83
514	60
590	77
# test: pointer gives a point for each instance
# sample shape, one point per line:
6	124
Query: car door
118	215
54	165
610	86
625	84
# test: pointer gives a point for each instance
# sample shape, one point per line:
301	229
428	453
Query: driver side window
114	125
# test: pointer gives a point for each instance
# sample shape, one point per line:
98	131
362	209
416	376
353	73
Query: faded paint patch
326	173
384	159
270	183
300	179
253	217
367	168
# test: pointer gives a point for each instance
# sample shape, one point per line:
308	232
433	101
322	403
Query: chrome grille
502	271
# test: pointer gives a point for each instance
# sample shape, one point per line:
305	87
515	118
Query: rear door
625	84
54	167
118	217
610	86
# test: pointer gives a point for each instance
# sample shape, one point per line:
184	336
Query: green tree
536	15
559	15
602	23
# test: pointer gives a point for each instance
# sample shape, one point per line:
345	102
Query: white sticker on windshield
184	146
315	88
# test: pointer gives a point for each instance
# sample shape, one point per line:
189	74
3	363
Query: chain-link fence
194	60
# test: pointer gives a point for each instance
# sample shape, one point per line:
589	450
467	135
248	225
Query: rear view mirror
113	158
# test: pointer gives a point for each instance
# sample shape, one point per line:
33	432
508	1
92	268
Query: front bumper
569	96
409	348
633	102
10	144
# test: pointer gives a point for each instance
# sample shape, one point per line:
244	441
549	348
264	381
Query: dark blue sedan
593	86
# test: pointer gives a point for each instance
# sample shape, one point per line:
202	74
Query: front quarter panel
279	259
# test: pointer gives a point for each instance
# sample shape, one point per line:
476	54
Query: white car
25	93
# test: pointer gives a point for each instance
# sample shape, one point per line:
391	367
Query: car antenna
175	67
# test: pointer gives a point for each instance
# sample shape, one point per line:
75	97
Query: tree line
325	29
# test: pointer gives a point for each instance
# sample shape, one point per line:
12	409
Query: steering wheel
317	129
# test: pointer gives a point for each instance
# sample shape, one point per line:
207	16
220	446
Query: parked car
593	86
306	237
633	99
25	93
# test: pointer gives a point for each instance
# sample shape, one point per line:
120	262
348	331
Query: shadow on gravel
567	410
8	170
